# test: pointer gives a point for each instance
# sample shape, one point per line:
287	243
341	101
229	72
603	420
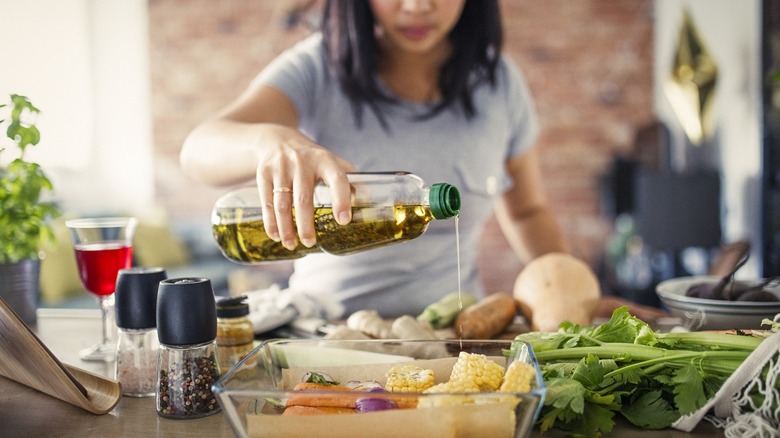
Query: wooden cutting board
25	359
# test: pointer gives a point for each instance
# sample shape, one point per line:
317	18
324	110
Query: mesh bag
748	403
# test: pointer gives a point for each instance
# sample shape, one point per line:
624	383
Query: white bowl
710	314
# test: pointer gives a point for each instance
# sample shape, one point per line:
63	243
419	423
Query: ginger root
370	323
408	327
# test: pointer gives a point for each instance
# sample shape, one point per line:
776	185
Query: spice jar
187	364
235	333
136	321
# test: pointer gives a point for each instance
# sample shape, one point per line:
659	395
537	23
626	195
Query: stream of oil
457	251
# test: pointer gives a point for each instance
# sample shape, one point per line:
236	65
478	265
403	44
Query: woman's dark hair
348	36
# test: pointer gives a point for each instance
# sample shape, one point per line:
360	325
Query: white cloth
274	307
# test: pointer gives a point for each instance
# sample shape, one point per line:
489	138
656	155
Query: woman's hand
289	166
256	136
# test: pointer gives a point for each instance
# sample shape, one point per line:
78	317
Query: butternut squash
557	287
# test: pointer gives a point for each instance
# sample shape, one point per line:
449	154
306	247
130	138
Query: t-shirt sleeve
296	72
521	111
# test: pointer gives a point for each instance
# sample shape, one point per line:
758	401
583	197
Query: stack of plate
712	314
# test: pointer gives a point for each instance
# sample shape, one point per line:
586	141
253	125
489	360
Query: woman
411	85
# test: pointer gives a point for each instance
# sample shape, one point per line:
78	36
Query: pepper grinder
136	321
187	364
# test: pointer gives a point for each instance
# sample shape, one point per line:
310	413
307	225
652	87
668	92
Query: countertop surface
25	412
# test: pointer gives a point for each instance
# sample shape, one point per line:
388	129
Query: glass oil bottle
387	208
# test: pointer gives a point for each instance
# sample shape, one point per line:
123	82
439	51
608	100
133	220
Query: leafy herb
23	218
276	403
623	367
321	378
650	410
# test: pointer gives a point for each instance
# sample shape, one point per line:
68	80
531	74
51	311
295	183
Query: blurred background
121	83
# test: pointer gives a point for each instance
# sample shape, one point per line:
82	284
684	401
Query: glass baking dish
254	392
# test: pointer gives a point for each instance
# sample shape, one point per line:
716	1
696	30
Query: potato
488	318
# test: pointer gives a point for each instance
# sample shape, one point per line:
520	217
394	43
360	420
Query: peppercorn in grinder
188	363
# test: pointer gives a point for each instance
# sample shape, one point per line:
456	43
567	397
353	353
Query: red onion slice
368	404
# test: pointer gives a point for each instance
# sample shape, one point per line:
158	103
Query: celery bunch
623	366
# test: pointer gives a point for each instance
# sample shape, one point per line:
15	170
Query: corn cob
453	386
479	370
408	378
462	393
467	399
518	377
475	373
450	387
440	400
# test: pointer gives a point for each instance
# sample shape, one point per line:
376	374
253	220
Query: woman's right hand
257	136
289	166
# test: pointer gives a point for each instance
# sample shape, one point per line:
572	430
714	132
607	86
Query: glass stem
103	301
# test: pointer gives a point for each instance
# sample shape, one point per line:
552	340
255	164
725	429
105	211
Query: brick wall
588	64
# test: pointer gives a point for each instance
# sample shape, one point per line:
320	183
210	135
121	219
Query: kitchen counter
25	412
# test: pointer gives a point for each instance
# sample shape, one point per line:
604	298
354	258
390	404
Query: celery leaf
651	411
590	372
689	389
566	394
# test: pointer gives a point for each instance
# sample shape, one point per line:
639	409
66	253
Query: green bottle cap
445	200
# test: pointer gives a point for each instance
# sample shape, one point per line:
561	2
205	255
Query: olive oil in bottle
241	236
387	208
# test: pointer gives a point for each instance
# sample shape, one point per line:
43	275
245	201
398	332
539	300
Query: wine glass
103	246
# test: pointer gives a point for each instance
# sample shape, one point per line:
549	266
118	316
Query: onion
365	385
372	404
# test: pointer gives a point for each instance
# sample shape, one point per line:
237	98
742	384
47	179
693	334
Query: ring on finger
282	190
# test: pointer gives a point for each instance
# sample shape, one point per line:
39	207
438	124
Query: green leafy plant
623	367
24	216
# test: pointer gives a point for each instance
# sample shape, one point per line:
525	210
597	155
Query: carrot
314	386
487	318
319	395
312	410
406	402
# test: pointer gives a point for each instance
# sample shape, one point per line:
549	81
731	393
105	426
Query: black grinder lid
136	297
186	312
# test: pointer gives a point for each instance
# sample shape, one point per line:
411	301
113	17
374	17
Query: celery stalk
623	367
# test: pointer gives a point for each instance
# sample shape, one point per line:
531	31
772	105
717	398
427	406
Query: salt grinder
136	321
188	363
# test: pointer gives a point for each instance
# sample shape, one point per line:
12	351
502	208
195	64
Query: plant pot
19	288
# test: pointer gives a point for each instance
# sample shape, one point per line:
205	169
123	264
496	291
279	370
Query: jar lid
232	307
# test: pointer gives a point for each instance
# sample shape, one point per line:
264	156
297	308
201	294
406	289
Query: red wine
99	264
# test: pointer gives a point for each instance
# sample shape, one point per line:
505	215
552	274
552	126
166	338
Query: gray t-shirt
470	154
